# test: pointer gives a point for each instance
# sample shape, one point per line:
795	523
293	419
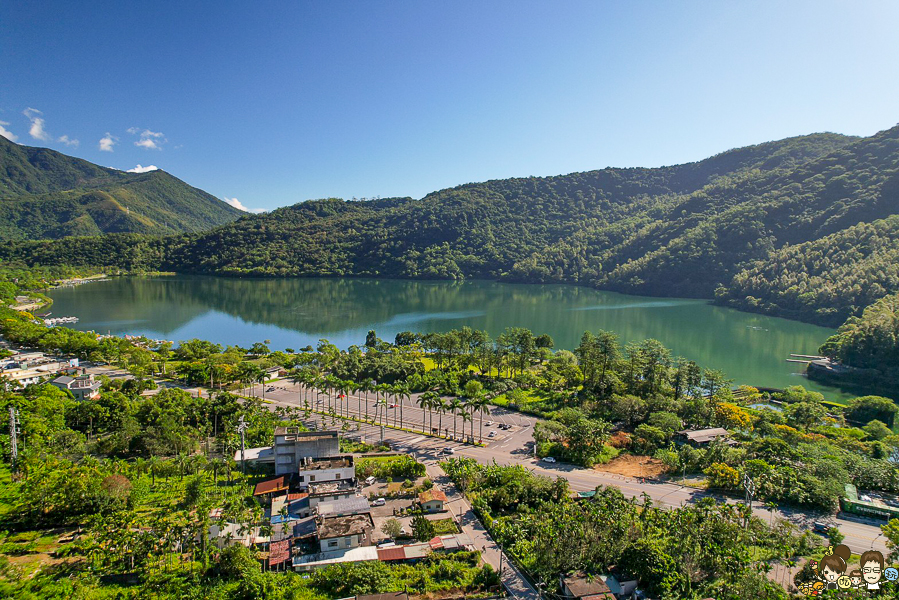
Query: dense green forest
870	341
46	195
772	228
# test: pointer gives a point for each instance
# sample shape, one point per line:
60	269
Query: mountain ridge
683	230
45	194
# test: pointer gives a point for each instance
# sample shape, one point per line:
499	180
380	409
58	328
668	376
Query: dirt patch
631	465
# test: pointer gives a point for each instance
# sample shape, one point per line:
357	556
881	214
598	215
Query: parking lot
391	508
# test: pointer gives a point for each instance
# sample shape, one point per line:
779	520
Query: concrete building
700	438
83	387
340	508
344	533
22	377
330	491
316	470
581	586
432	500
291	445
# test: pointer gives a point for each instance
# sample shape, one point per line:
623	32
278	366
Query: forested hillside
824	280
774	227
47	195
870	341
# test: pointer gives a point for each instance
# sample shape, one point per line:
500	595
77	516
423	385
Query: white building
336	468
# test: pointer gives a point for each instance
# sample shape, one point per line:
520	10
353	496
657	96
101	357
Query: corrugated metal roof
416	551
436	543
278	484
394	553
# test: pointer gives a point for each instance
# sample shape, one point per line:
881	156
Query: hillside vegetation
47	195
803	227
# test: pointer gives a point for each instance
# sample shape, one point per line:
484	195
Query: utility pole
241	428
749	485
13	440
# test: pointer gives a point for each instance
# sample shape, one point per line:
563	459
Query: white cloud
37	124
65	140
6	132
239	206
140	169
151	140
107	142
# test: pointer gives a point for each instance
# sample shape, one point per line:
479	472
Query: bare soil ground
631	465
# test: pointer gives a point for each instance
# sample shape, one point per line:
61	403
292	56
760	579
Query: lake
292	313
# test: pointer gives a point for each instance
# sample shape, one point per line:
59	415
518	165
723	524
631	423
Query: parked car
489	423
491	434
392	406
388	544
821	527
549	459
370	480
448	450
379	502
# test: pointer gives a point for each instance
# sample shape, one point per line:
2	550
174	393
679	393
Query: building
84	387
580	586
268	489
388	596
700	438
330	491
22	377
344	533
274	373
336	468
432	500
292	445
356	505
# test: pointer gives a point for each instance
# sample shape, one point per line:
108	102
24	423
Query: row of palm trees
337	397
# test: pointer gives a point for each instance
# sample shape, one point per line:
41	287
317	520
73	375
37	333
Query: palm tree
402	392
466	416
455	406
474	392
427	402
440	406
771	506
383	389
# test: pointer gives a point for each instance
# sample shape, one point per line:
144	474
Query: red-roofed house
432	500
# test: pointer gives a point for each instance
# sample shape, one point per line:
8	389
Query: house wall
340	543
433	506
289	453
316	475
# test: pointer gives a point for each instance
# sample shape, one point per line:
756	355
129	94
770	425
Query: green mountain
47	195
748	225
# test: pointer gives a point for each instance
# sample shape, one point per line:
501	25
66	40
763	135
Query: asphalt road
515	447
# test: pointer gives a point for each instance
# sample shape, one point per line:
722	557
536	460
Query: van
370	480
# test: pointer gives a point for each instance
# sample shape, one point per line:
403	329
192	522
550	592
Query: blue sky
273	103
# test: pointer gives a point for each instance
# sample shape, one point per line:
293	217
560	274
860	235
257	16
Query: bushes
397	467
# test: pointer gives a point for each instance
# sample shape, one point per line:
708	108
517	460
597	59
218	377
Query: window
332	544
312	478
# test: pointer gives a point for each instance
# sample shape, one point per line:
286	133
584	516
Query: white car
379	502
489	423
549	459
491	434
448	450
